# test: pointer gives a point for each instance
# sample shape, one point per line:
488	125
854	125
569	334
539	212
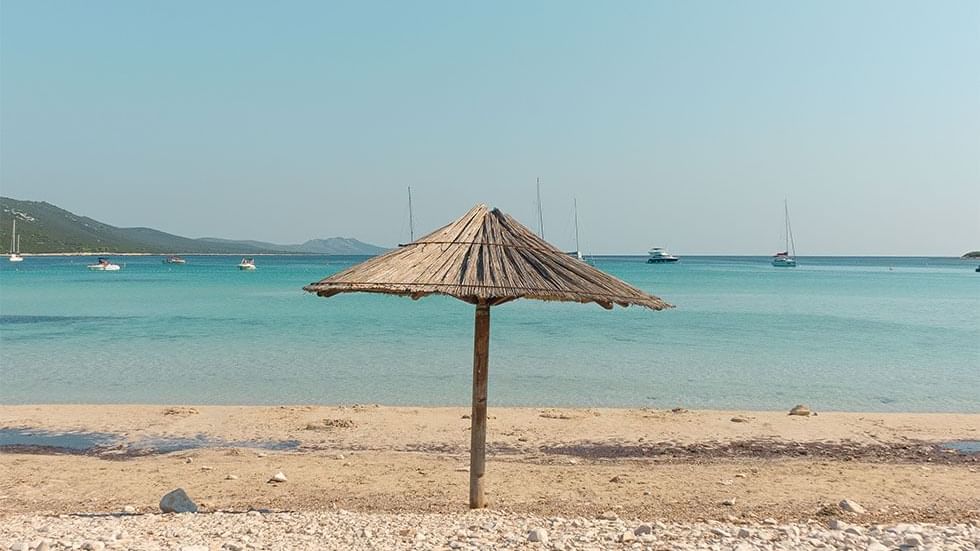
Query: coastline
682	466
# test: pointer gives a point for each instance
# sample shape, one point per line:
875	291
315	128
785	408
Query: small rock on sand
913	540
739	419
177	501
801	410
539	535
851	507
627	537
278	477
232	477
609	515
129	510
19	546
643	529
729	502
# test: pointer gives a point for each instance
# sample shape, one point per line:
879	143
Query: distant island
972	254
46	228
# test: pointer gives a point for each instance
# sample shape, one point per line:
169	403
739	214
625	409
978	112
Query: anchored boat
784	259
103	265
659	255
15	245
247	264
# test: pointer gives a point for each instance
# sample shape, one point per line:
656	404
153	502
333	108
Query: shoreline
602	255
680	465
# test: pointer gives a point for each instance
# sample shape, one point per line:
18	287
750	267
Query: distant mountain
45	228
330	245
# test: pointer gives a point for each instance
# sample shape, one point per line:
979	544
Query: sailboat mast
578	249
540	216
789	231
13	237
18	244
411	216
786	223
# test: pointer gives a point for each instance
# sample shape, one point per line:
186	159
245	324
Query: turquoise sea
860	334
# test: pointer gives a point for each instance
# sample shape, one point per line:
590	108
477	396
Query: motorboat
659	255
103	265
174	259
247	264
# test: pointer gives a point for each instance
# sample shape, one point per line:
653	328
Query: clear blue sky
682	124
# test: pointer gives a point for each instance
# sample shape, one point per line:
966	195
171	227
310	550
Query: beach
640	464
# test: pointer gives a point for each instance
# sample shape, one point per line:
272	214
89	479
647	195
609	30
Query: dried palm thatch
485	256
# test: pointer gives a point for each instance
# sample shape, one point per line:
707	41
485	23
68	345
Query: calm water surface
868	334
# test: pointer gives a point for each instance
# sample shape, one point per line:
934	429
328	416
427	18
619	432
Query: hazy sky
681	124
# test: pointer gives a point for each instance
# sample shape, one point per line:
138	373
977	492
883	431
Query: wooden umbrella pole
478	419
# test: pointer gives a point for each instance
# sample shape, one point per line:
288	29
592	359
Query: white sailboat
787	257
15	245
578	248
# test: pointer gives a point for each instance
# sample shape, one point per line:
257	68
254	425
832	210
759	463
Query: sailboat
15	245
578	249
787	257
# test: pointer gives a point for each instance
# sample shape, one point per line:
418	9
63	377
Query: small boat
103	265
15	245
578	248
247	263
174	259
659	255
978	269
784	259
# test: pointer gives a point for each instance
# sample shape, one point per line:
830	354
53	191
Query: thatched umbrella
485	258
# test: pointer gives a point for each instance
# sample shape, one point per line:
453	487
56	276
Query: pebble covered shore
483	530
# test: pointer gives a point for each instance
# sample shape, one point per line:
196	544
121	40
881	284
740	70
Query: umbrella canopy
485	258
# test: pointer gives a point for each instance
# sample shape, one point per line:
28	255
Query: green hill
45	228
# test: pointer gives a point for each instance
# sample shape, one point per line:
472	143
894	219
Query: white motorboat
787	257
659	255
247	264
15	245
174	260
103	265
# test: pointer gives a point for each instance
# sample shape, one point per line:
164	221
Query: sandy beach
678	465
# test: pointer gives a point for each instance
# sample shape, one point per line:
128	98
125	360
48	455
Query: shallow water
861	334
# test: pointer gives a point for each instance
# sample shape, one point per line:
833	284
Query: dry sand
681	466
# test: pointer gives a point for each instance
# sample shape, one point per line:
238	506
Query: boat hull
15	258
107	268
784	263
662	260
